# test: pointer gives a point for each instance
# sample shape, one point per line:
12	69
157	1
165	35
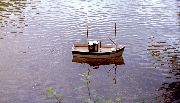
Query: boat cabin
93	46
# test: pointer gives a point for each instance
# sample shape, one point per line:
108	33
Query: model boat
96	49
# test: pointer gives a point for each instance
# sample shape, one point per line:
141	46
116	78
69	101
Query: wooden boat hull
116	53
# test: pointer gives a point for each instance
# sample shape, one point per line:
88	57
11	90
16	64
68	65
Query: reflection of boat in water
118	60
95	63
94	49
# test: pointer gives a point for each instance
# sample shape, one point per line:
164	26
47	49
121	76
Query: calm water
35	47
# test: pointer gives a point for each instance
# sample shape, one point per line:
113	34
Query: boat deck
85	49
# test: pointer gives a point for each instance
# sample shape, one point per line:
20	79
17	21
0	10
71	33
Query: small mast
115	29
87	32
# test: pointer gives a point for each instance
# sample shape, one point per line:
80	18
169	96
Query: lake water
36	37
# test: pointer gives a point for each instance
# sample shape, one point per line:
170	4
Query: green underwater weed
51	94
85	78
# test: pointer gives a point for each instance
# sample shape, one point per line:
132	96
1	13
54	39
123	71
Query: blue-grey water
36	37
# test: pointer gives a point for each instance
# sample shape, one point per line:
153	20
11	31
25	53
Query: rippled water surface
36	37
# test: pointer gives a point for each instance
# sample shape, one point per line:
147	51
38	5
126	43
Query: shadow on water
167	57
6	5
11	17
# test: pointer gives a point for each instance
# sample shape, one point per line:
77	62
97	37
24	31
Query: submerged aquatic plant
85	77
51	94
